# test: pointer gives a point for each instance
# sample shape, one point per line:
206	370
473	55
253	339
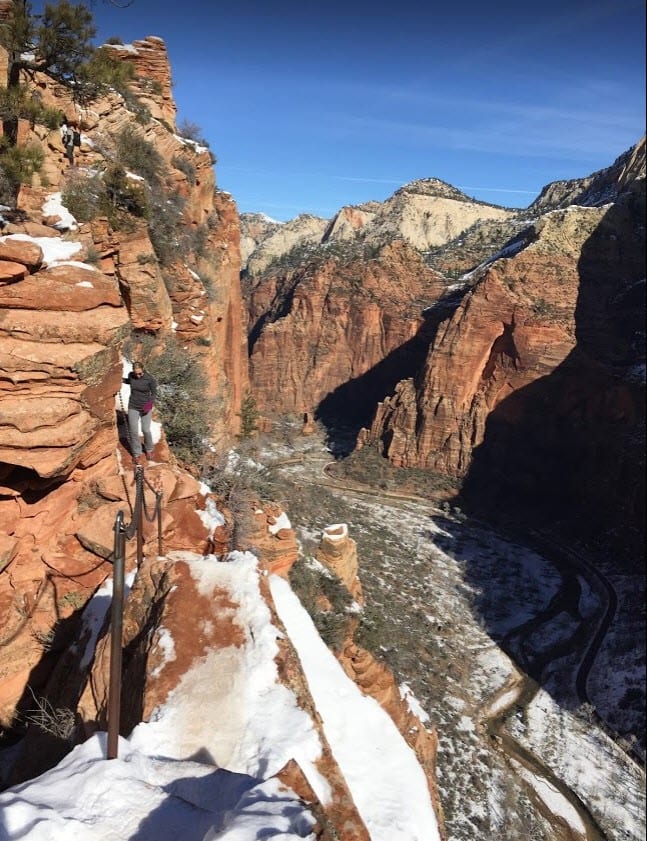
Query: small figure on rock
143	389
70	137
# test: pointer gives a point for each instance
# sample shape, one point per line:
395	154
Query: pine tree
248	417
57	43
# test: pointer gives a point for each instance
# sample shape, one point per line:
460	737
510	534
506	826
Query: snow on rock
406	693
230	704
338	531
89	798
53	206
211	517
282	522
55	250
387	783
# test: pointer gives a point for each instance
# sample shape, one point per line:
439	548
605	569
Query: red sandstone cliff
71	294
532	393
338	327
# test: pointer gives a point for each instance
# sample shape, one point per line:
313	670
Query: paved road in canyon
520	690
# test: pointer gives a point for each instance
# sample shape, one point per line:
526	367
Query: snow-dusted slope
231	707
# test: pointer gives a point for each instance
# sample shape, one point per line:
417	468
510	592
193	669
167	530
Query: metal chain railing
123	533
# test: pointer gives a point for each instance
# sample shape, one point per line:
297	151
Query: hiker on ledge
70	137
143	389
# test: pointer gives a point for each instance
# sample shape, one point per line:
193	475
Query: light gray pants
133	426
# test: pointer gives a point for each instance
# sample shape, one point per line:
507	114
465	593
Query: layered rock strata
533	387
340	332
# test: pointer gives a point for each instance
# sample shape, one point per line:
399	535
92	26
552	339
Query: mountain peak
433	187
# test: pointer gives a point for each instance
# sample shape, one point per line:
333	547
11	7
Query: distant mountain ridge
425	213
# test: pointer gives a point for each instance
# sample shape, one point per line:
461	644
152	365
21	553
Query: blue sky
311	106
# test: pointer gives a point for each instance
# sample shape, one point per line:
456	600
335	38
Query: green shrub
20	102
83	195
113	195
248	417
142	112
104	71
125	194
136	154
167	235
181	398
19	163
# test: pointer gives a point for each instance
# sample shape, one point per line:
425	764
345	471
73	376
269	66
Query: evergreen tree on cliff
57	43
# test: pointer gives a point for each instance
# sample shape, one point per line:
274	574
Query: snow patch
53	206
387	783
282	522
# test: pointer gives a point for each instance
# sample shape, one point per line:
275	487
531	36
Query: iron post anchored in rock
123	533
117	619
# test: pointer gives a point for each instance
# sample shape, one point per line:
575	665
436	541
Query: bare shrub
58	721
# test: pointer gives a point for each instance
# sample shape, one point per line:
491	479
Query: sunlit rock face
71	293
425	213
153	72
324	328
338	551
264	240
534	388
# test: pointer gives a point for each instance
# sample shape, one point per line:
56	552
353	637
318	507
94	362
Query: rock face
60	538
533	388
57	402
596	189
254	228
339	332
425	213
153	75
277	240
338	552
71	294
429	213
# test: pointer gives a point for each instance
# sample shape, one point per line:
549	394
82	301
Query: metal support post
116	635
158	511
139	515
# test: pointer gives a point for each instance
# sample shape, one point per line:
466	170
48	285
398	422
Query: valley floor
517	759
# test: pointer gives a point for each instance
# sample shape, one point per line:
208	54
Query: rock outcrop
596	189
429	213
278	240
254	228
153	83
532	389
71	294
339	331
338	552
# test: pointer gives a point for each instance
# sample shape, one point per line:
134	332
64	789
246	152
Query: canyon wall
339	331
532	394
72	294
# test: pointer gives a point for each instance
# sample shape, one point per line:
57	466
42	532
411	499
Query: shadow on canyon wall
566	454
565	457
351	405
